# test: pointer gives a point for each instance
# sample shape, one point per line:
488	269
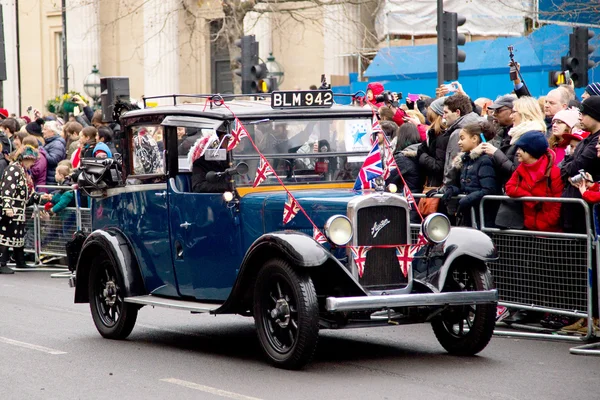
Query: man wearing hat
584	157
593	89
502	114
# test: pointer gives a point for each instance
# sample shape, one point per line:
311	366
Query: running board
184	305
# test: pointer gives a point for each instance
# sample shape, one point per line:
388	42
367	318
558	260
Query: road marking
31	346
208	389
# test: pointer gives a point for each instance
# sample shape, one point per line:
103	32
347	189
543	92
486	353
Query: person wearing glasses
564	123
501	111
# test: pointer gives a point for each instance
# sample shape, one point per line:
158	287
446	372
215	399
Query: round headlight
436	228
392	188
338	229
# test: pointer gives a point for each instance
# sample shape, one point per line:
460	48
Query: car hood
263	211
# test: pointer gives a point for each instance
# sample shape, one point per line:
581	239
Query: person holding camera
585	158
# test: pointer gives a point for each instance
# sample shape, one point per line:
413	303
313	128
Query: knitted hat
593	89
28	153
534	143
3	113
570	116
591	107
437	106
34	128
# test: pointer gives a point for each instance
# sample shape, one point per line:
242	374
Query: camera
580	177
387	97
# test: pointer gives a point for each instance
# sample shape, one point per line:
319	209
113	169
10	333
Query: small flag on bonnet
290	209
264	169
318	236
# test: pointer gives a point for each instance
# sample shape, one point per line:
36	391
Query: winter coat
431	156
62	199
56	148
584	157
476	178
15	195
540	179
72	149
592	194
452	148
39	168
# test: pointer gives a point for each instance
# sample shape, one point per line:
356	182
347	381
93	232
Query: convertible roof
245	109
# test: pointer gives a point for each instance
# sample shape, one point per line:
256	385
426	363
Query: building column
83	41
10	87
342	30
161	49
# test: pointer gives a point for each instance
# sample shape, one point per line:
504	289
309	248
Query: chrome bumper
408	300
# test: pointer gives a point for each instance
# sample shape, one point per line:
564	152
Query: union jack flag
359	253
390	161
405	256
370	169
375	129
237	134
264	169
290	209
318	236
409	197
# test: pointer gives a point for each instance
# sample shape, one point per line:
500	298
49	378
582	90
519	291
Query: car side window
147	150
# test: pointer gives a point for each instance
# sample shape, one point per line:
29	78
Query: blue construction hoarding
485	73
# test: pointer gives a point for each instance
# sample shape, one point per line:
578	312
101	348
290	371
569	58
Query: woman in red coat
536	176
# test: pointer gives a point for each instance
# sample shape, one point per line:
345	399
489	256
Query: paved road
50	349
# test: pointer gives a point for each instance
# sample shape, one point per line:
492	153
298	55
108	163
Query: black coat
431	157
584	157
199	183
505	162
477	178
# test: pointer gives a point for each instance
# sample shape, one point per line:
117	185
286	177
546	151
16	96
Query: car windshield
306	150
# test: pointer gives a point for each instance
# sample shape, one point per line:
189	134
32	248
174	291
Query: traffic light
452	39
247	59
258	74
578	61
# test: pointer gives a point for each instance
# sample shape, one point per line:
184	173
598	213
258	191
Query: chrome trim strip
133	189
335	304
172	303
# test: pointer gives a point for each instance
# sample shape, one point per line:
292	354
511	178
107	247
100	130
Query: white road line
208	389
31	346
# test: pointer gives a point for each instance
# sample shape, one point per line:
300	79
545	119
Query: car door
204	230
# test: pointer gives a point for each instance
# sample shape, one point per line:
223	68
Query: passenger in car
201	166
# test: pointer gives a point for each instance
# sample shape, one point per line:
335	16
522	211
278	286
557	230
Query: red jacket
592	194
540	179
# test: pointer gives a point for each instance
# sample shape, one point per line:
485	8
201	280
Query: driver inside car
202	159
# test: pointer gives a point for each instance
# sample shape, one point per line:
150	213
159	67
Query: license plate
302	99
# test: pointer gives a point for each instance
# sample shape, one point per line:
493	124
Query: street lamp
275	70
91	85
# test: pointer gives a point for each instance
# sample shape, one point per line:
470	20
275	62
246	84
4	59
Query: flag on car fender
290	209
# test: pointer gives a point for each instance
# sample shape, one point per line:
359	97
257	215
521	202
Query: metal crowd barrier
546	272
47	237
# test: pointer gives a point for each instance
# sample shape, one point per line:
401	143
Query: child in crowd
536	176
475	175
563	124
60	199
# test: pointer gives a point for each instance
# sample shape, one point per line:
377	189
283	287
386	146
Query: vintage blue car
156	242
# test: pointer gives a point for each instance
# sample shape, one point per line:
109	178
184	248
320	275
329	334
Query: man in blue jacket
55	147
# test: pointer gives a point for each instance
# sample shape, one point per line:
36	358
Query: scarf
517	131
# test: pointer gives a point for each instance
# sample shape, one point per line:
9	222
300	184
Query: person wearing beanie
431	154
584	157
563	123
593	89
35	127
16	189
537	176
3	113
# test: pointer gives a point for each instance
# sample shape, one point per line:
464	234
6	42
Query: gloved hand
48	206
432	192
449	192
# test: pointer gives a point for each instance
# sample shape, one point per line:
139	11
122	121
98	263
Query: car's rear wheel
466	330
113	318
286	314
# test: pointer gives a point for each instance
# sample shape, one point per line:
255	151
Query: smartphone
451	87
413	97
567	76
482	138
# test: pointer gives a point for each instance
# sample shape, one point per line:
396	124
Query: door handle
161	194
185	225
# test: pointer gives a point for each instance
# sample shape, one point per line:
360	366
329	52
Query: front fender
302	251
114	245
433	267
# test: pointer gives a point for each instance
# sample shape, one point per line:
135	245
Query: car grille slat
382	225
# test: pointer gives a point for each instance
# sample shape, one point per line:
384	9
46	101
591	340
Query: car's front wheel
286	314
113	318
466	330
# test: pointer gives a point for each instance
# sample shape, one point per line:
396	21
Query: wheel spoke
279	290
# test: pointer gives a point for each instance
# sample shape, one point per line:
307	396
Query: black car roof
245	109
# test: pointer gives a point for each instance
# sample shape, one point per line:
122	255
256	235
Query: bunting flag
389	163
290	209
264	169
409	197
405	255
371	169
237	135
318	236
421	239
375	128
359	253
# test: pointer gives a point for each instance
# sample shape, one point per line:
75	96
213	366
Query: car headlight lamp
338	230
436	228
